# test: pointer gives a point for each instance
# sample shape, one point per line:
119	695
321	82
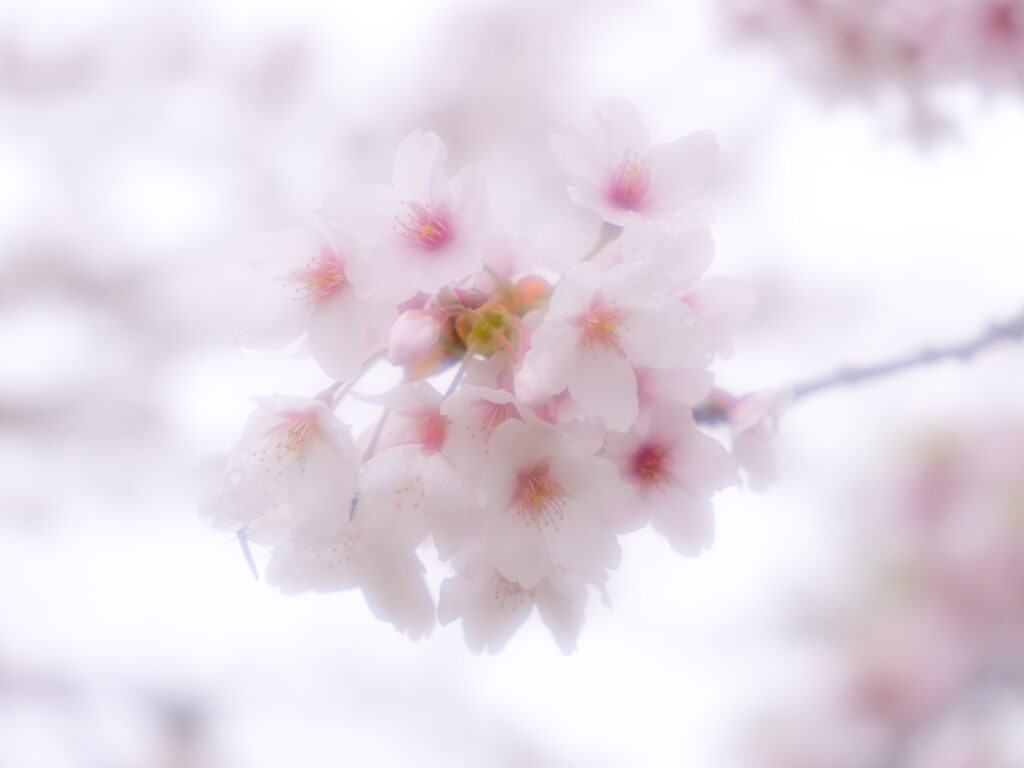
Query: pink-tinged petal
430	271
589	478
330	569
343	333
396	592
419	171
368	211
706	464
623	130
688	386
721	303
517	548
583	543
551	357
563	615
597	200
574	294
603	384
261	327
686	520
469	204
582	159
491	608
679	170
664	334
685	256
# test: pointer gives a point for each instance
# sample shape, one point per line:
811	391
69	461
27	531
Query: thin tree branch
1012	329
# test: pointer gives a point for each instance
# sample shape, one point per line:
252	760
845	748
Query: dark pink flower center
651	465
324	276
598	326
629	182
424	227
431	430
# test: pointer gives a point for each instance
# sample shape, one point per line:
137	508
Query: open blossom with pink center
547	505
674	470
313	292
601	323
424	232
290	480
492	608
618	174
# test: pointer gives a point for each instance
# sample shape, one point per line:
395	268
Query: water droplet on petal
689	321
235	476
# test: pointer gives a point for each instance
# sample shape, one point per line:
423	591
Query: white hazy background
140	142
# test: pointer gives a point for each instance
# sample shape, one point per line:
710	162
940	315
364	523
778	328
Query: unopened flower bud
412	336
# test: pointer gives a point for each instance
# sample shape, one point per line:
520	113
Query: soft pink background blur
142	141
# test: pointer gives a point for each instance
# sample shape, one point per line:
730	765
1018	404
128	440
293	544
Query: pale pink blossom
424	232
292	476
601	323
313	292
618	174
546	506
674	470
492	608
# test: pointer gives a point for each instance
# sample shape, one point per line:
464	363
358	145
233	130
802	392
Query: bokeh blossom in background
196	197
873	48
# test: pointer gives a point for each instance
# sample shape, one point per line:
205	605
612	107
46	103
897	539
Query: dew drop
235	476
689	321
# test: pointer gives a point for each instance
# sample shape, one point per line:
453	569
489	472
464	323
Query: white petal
604	386
419	170
341	336
517	549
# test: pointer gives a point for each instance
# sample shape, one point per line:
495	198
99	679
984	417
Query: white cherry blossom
292	476
546	506
601	323
313	292
424	232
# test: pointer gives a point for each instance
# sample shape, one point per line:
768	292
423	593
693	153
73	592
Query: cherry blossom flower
424	232
602	322
292	475
568	381
546	506
620	176
673	469
314	292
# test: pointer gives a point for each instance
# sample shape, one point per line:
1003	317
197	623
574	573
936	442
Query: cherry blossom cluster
544	409
862	45
933	647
